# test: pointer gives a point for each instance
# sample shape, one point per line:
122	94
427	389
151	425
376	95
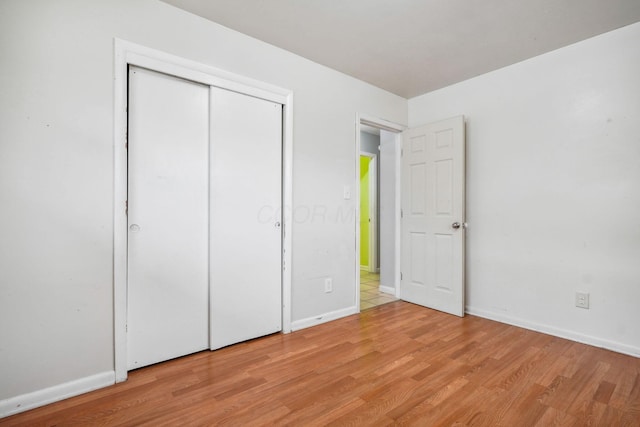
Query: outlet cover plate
328	285
582	299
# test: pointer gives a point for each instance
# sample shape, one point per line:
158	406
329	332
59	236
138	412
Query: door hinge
126	207
400	275
401	213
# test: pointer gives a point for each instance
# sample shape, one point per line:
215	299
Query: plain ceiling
410	47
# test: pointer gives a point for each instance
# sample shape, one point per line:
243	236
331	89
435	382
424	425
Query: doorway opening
378	144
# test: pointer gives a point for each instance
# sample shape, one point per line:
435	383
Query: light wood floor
370	295
396	364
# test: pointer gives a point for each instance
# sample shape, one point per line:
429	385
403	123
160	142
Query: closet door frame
127	53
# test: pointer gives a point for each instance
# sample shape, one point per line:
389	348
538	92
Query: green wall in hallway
364	210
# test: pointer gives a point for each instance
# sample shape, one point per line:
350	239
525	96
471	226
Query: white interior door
433	228
168	296
246	216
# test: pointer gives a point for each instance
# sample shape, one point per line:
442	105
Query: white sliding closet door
246	200
168	197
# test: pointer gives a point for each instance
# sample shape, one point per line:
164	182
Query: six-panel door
433	178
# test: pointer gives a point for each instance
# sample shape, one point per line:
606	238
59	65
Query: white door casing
246	217
433	215
168	290
394	128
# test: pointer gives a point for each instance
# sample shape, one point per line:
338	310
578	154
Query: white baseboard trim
24	402
323	318
388	290
558	332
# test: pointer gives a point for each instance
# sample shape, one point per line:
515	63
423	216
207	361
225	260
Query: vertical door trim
365	119
127	53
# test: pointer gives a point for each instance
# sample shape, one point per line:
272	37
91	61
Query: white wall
389	152
553	181
369	143
56	174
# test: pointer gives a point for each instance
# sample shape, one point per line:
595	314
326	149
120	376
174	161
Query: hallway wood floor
395	364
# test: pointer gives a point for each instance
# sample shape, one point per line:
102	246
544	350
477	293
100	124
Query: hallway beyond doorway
370	295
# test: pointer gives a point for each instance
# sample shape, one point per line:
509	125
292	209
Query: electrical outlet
328	285
582	299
